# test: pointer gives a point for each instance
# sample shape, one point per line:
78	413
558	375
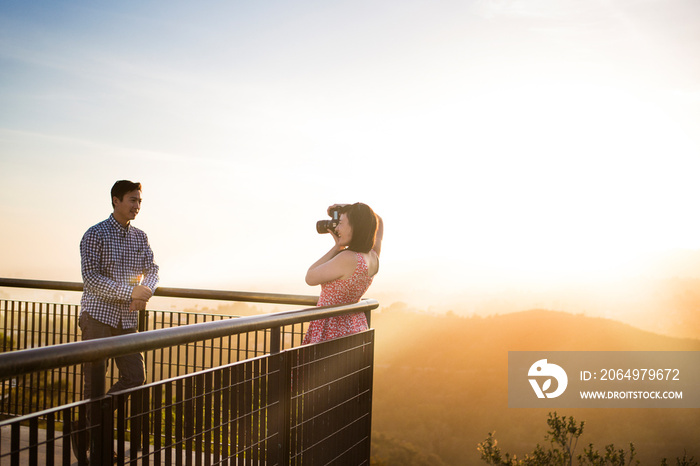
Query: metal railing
31	324
285	405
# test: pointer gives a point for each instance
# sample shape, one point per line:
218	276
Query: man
119	277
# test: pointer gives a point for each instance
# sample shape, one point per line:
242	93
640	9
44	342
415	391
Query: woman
346	271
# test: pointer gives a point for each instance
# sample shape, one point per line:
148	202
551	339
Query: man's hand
138	305
139	297
141	292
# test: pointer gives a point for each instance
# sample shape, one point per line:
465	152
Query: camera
322	226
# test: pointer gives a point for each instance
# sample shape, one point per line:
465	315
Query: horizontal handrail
218	295
49	357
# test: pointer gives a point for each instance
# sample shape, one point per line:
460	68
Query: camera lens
322	226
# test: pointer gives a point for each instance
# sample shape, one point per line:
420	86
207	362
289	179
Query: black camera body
322	226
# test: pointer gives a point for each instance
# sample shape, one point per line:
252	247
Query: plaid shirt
114	259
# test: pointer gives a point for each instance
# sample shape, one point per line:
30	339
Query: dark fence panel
331	401
31	325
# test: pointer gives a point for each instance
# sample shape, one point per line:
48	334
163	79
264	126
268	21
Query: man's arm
150	272
143	292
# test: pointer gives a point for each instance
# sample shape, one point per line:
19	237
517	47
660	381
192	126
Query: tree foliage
562	437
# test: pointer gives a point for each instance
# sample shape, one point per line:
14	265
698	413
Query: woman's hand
335	207
336	238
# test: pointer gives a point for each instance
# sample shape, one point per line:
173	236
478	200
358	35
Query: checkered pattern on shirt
113	260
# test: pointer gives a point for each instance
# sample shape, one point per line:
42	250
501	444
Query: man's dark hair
364	226
122	187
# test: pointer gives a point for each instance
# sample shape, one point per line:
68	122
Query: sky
505	143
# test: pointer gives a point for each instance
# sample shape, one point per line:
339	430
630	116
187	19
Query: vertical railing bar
3	307
168	432
213	345
256	343
22	329
369	349
4	303
38	389
63	372
14	444
285	399
225	418
23	324
157	421
180	414
50	438
265	395
78	370
59	321
199	386
231	414
255	407
49	386
33	441
187	348
275	340
121	428
247	345
35	322
216	420
177	356
67	416
189	418
56	326
273	413
55	391
15	341
200	346
195	348
240	409
161	357
228	350
248	403
211	352
207	415
143	413
104	431
238	347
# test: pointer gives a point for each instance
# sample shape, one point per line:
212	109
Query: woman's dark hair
122	187
364	226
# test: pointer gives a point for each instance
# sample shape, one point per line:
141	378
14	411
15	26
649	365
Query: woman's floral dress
337	292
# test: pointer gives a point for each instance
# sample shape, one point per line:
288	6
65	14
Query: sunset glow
526	143
535	164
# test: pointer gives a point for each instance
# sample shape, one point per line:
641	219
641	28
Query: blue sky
504	142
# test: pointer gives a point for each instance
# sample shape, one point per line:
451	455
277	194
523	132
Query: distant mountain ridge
441	383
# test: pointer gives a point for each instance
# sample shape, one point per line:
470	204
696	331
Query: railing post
275	340
281	419
102	447
96	416
143	321
136	425
97	379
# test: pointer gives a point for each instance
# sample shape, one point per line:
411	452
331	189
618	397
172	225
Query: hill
441	385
